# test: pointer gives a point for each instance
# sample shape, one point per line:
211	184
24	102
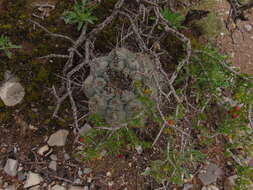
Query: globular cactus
115	84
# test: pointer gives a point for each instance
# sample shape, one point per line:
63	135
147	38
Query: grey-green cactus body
115	84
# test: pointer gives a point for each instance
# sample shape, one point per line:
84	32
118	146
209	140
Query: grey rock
58	138
248	27
210	175
33	179
84	129
66	156
52	165
11	91
76	188
21	176
87	170
10	187
10	167
53	157
77	181
139	149
42	151
188	186
58	187
210	187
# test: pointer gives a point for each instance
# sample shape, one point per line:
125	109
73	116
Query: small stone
89	180
66	156
210	175
53	157
21	176
139	149
52	165
77	181
58	138
58	187
76	188
12	92
33	179
87	170
110	183
10	167
84	129
42	151
210	187
10	187
248	27
108	174
188	186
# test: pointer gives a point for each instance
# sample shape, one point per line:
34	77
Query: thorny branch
138	29
135	28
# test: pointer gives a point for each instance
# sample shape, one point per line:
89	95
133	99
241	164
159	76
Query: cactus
115	84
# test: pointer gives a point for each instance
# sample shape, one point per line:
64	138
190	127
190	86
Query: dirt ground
20	142
241	50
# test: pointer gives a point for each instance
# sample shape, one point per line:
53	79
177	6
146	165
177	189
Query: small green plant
174	19
175	166
6	45
80	14
98	140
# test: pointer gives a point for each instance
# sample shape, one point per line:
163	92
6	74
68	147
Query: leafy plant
174	19
6	44
173	167
80	14
99	140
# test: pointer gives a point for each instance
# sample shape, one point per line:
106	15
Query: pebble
42	151
21	176
10	167
58	187
66	156
33	179
58	138
53	157
87	170
110	183
10	187
139	149
84	129
210	175
108	174
188	186
11	91
52	165
210	187
76	188
248	27
77	181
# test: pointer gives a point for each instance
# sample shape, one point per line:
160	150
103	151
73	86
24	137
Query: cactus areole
116	83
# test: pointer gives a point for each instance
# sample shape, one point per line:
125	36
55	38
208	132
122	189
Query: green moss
1	104
5	116
43	74
6	26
